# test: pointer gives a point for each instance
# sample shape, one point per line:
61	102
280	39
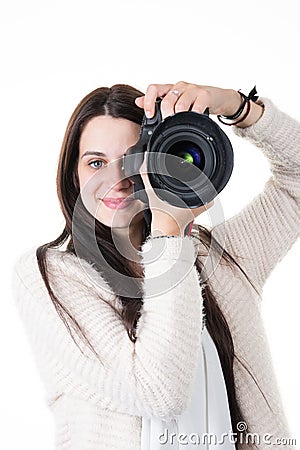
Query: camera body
189	158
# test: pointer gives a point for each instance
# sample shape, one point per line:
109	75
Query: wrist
163	224
256	111
234	102
166	229
247	113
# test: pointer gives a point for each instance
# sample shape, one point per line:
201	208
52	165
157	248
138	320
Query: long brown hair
119	102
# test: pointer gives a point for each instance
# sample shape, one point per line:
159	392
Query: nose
115	175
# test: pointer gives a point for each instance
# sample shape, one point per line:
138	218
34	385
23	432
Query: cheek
89	186
88	181
83	177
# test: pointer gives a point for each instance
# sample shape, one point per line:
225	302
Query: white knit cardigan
99	404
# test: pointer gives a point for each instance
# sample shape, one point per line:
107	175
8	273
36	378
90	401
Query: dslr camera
189	158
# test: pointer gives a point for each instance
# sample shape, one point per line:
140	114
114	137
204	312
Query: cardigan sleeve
151	377
263	232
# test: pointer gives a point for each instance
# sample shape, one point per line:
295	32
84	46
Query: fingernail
148	113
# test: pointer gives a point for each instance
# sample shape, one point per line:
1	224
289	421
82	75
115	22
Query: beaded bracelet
246	101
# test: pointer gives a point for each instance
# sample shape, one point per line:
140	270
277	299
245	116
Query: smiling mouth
117	203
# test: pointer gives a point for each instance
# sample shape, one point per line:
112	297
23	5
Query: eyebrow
95	153
89	153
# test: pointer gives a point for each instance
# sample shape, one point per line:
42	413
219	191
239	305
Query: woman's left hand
197	97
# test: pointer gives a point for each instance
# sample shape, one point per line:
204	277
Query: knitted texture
97	403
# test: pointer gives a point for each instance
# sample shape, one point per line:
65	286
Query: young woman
134	337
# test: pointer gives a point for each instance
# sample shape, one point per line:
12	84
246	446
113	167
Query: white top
207	418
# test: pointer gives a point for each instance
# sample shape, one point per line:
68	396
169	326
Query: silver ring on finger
175	92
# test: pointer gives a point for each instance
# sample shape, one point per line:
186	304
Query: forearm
278	135
271	221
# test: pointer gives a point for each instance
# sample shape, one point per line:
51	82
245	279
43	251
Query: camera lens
189	160
184	160
189	151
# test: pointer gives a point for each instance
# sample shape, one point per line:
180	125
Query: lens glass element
189	160
189	151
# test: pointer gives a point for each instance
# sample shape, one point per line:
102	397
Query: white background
55	52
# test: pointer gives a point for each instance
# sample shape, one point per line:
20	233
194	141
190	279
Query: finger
181	101
144	174
186	100
143	167
154	91
202	102
194	97
198	107
139	101
167	105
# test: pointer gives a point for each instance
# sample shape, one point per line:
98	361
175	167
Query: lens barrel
189	158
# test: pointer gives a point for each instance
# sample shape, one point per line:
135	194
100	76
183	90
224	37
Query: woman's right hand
198	98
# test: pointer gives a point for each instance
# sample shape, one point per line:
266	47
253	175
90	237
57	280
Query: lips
115	203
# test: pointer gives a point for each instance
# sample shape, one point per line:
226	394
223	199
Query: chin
114	223
120	219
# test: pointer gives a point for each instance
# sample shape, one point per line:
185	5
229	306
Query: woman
133	338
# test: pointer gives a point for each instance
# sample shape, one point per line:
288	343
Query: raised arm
264	231
152	377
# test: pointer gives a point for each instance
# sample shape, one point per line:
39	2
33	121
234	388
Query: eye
95	162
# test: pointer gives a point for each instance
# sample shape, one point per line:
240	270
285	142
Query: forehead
108	135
